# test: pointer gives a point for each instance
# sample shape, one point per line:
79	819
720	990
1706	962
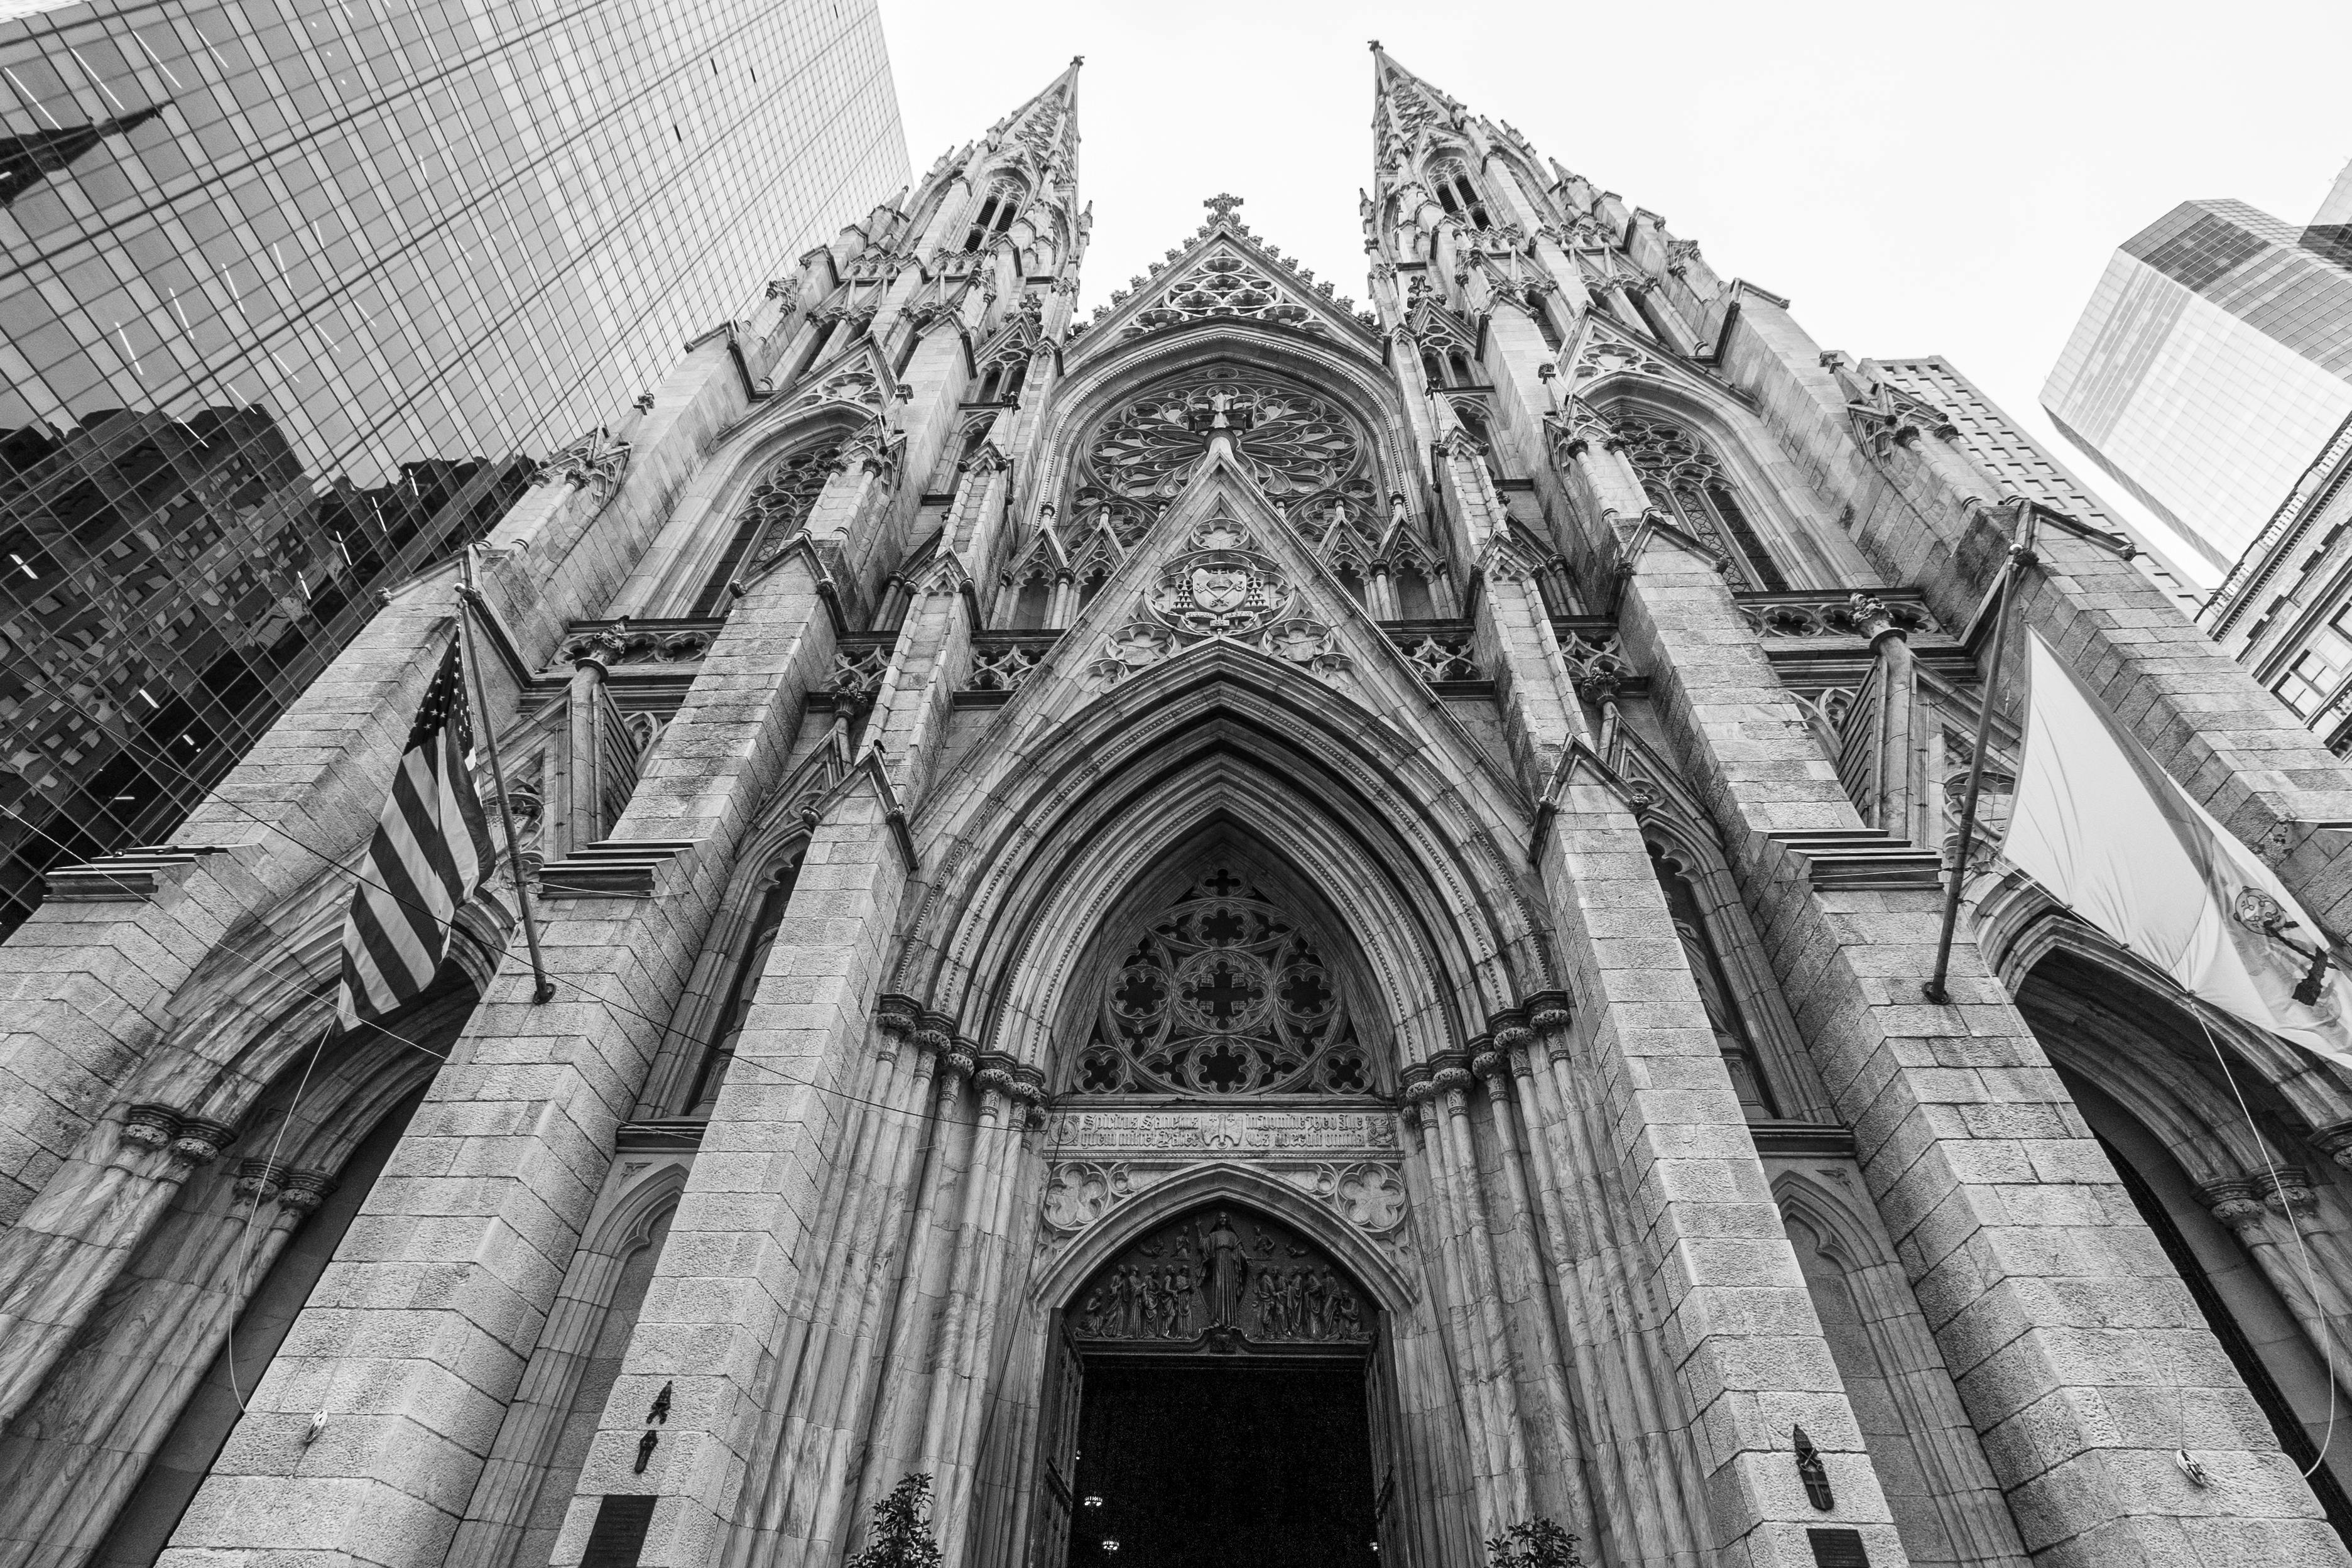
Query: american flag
430	853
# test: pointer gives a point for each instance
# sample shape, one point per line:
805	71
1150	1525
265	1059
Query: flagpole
2020	555
470	599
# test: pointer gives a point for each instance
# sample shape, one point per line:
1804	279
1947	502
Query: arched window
777	507
1414	601
1684	480
1432	371
1091	584
1457	194
1463	374
1351	580
997	211
1033	598
743	984
1001	382
1723	1011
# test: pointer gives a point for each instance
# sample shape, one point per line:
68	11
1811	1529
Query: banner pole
2020	555
470	600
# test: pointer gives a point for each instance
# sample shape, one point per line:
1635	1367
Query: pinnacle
1063	91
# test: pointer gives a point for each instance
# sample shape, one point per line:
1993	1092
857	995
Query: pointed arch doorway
1211	1399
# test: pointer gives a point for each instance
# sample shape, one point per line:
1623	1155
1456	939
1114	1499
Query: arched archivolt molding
1099	379
1810	550
1833	1217
627	1225
1412	860
2019	928
1243	1187
2151	1058
262	999
702	519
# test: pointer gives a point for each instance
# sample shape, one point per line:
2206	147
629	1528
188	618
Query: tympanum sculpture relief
1220	1281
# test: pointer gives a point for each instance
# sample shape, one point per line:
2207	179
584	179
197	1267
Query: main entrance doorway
1221	1414
1200	1465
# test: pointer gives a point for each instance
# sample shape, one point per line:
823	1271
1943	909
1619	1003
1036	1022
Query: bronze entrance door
1221	1414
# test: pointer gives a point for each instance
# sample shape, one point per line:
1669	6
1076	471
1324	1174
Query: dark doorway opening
1205	1466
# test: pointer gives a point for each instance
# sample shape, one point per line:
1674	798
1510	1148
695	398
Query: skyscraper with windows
2212	364
296	294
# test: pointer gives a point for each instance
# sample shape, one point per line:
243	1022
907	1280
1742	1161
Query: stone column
1473	1348
1563	1447
802	1475
76	1239
2072	1340
747	1231
416	1338
1710	1283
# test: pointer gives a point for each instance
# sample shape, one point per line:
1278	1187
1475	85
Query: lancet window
997	210
744	981
1687	481
1223	994
776	510
1458	195
1714	990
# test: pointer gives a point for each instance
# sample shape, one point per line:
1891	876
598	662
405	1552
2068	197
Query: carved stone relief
1222	995
1222	1282
1222	585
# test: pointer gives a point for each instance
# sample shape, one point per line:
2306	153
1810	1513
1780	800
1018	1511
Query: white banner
2112	836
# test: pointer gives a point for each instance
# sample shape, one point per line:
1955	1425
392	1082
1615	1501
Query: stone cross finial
1223	205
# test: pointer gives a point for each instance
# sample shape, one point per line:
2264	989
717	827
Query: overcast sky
1916	178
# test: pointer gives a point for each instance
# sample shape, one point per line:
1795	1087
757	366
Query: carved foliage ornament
1222	1282
1222	995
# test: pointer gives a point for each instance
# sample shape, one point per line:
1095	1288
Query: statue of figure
1146	1296
1312	1287
1129	1326
1224	1270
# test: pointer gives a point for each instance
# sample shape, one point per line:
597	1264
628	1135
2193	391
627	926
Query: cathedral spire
1403	105
1048	123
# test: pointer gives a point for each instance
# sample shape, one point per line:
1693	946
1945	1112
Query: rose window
1222	995
1293	443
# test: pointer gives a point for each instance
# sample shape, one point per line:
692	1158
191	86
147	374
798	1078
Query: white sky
1916	178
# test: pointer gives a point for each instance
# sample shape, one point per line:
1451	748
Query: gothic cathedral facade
1240	930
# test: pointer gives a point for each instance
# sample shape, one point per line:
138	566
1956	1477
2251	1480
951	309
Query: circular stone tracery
1222	995
1293	442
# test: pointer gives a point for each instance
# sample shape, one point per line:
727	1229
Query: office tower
1235	930
2211	366
296	296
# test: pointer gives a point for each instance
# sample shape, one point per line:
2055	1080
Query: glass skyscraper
296	289
2211	367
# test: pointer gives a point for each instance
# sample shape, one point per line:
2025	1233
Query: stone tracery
1294	443
1223	996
